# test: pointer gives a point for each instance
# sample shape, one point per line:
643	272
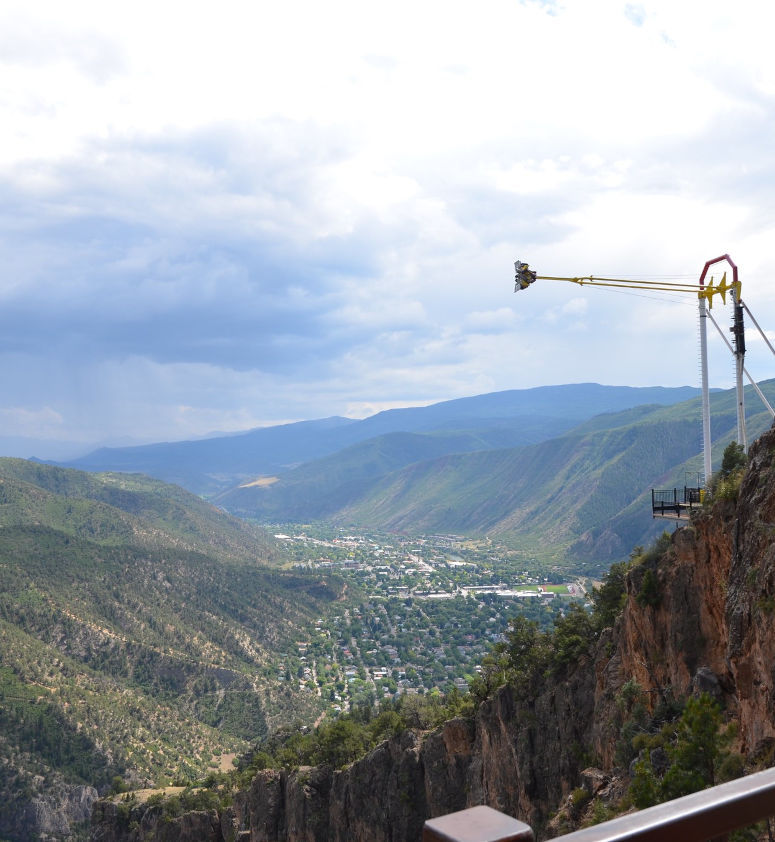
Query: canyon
709	630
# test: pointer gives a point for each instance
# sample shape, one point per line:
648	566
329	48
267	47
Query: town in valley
422	615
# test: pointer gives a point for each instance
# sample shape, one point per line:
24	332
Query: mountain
139	628
563	471
118	509
572	403
586	492
208	464
518	416
664	688
321	488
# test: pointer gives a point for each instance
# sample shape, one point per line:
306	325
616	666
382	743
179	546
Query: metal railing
703	816
670	502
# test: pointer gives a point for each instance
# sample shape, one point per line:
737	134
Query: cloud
44	422
276	212
365	409
492	321
635	13
31	43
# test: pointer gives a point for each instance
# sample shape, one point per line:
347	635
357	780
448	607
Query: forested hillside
117	508
584	494
138	632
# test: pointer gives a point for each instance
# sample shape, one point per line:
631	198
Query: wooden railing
703	816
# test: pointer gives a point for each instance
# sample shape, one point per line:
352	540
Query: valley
429	610
562	472
661	688
144	633
147	632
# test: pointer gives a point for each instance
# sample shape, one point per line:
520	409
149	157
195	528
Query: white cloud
497	321
273	211
43	422
364	409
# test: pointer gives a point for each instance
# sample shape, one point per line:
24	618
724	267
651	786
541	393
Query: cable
618	283
669	297
751	380
763	335
663	298
629	277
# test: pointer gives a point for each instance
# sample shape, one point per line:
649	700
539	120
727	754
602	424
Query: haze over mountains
499	419
566	469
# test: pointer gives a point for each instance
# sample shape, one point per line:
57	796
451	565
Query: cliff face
110	822
54	810
714	627
708	625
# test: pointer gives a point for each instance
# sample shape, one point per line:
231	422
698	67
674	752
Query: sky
215	217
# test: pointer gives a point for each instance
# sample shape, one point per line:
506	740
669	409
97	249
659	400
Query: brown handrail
694	818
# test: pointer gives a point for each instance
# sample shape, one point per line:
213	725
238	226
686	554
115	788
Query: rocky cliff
707	625
55	809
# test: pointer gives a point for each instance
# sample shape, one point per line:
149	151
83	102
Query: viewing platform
674	504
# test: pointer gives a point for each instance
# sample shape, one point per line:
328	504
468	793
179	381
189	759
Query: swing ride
672	503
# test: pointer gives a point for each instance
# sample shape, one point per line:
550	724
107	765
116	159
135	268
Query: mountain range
564	471
497	420
142	627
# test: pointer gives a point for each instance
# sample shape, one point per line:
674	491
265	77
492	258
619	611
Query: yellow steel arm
525	276
623	283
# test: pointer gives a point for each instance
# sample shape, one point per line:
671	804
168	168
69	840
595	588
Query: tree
733	460
573	636
698	750
698	753
608	600
496	670
522	642
528	650
649	593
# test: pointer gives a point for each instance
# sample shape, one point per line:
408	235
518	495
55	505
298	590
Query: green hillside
116	508
551	492
628	523
321	488
582	495
139	629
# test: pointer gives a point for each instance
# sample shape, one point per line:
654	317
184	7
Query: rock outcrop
111	821
707	626
53	810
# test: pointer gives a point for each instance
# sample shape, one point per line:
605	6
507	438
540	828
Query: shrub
649	593
697	747
579	799
630	693
725	485
657	549
644	789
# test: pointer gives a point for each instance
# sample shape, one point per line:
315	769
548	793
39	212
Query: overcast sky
220	216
